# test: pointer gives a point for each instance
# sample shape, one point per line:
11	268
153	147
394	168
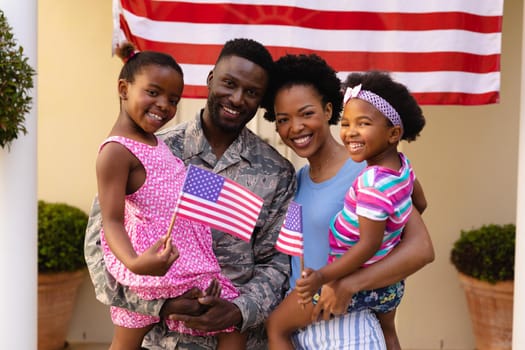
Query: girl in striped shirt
378	113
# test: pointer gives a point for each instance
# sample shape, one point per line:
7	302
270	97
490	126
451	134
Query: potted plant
484	259
16	81
61	269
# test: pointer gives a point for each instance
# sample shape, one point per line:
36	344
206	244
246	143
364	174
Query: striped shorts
357	330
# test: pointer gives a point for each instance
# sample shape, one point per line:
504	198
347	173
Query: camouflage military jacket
256	268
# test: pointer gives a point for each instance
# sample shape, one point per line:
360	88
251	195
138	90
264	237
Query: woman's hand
334	300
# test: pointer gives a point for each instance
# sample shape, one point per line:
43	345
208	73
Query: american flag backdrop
445	51
290	239
219	202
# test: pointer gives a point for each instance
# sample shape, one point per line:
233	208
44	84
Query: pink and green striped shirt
379	194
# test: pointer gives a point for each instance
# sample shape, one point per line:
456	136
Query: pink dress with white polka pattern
147	217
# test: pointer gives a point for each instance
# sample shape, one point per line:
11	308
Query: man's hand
214	289
185	304
220	314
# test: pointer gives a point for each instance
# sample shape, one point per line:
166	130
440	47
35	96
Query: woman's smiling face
301	119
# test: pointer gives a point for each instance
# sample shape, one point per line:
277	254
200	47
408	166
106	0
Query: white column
18	205
518	336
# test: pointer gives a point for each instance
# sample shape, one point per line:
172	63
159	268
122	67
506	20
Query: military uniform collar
196	144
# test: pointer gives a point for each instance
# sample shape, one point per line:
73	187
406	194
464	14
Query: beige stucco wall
466	160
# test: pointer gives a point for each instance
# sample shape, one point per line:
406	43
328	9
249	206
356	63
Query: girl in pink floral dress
139	181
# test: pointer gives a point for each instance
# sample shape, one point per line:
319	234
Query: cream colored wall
466	160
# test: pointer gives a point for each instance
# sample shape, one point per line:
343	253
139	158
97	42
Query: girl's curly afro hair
396	94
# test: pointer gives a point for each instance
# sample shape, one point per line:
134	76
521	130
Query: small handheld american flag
219	202
290	240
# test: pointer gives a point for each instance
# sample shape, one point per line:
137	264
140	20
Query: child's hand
308	285
156	262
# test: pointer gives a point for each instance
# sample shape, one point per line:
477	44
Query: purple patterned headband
375	100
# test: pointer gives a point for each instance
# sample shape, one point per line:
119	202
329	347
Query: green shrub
16	81
61	230
486	253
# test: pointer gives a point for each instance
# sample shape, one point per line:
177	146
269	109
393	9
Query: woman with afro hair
304	101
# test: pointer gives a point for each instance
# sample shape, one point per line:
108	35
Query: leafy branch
16	81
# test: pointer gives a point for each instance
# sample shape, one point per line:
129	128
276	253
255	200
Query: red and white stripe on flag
445	52
290	239
219	202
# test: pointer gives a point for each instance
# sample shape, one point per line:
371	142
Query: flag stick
170	228
174	216
172	223
301	262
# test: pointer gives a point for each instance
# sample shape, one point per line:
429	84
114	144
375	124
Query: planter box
57	293
490	307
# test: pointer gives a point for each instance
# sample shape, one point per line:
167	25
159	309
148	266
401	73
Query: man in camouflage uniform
217	139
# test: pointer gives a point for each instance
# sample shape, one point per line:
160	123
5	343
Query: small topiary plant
61	230
16	79
486	253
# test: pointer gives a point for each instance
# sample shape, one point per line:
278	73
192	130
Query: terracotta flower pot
490	307
56	298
